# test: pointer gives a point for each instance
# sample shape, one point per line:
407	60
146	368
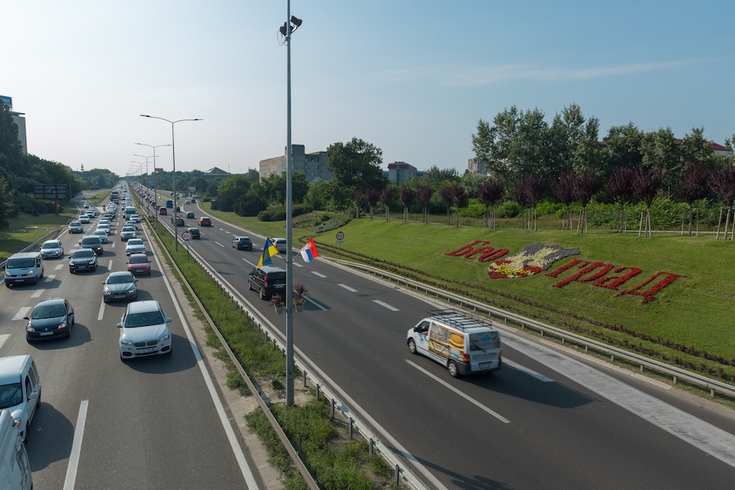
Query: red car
205	221
139	264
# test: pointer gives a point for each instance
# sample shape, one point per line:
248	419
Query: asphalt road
148	423
544	421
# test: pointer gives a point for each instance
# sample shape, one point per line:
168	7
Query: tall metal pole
289	256
155	188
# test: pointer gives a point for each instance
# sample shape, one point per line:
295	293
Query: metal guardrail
355	425
676	373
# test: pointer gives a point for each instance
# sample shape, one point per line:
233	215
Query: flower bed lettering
487	253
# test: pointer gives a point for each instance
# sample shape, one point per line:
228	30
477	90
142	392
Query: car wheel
250	285
262	294
452	367
411	346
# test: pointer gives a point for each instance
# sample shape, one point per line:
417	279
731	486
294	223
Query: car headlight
7	274
131	290
30	272
107	292
62	324
124	341
29	328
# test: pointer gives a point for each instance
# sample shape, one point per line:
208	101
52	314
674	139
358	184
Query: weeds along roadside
331	458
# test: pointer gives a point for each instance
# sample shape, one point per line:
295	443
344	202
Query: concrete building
400	172
476	167
19	119
312	164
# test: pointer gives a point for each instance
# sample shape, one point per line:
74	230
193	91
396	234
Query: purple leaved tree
385	197
619	186
563	190
423	194
694	187
646	182
585	186
723	183
372	196
489	194
406	194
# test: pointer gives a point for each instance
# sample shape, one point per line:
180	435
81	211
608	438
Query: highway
546	420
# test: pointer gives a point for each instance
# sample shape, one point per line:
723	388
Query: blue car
52	318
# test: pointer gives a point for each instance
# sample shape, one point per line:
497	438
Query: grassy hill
689	322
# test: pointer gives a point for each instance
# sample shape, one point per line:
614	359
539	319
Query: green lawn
26	229
694	311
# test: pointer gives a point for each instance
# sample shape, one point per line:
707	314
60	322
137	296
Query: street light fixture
155	188
173	158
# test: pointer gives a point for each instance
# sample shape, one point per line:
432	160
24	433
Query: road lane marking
109	265
530	372
102	311
3	338
50	278
385	305
318	274
37	293
315	303
218	243
76	448
248	262
113	244
460	393
345	286
59	267
297	265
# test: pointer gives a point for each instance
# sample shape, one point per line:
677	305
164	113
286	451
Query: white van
15	469
23	268
463	343
20	390
129	211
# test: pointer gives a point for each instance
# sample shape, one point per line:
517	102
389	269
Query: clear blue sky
411	77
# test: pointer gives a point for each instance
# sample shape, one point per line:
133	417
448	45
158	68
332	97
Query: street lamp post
173	159
155	188
291	24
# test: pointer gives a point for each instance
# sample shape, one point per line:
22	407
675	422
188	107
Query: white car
84	219
127	233
105	227
280	244
52	248
135	246
20	390
100	233
144	330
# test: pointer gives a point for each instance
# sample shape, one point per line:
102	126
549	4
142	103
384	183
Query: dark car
189	215
120	285
194	233
268	280
82	259
180	221
205	221
242	243
92	242
50	319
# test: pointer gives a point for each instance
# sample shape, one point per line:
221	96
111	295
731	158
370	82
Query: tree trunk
640	225
719	222
405	214
387	213
371	213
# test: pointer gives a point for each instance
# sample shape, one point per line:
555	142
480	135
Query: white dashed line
218	243
50	278
3	338
59	267
21	313
297	265
102	311
345	286
109	265
37	293
385	305
318	274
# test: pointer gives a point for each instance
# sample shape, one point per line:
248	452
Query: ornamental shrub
509	209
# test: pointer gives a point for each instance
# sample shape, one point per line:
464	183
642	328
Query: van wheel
452	367
411	346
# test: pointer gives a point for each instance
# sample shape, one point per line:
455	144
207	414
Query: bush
279	213
509	209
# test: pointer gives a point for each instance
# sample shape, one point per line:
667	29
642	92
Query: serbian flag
308	251
268	251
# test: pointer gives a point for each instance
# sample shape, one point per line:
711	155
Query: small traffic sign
186	236
340	235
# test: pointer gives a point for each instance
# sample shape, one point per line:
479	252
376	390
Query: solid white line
21	313
50	278
3	338
102	311
385	305
531	372
236	449
218	243
345	286
76	448
318	274
460	393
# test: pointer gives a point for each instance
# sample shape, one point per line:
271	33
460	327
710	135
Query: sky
413	78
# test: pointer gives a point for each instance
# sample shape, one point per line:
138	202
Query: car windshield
10	395
51	245
20	263
137	241
120	279
148	318
139	260
91	241
83	254
49	311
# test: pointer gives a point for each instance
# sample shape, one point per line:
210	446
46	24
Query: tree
6	204
694	186
447	197
435	176
356	164
619	186
585	186
358	198
646	183
406	194
471	181
423	194
695	148
563	189
534	188
459	199
386	195
622	148
490	193
660	149
230	191
372	196
723	183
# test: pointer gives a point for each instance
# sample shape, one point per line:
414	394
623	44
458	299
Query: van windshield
21	263
10	395
484	341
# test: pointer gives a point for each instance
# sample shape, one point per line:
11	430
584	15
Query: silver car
120	286
52	248
144	330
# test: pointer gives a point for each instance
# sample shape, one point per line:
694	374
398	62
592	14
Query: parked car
144	330
194	233
50	319
280	244
189	215
120	286
205	221
93	242
20	390
76	227
82	259
139	264
267	280
242	243
52	248
135	246
102	234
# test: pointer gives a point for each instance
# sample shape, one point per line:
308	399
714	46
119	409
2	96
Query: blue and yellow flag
268	251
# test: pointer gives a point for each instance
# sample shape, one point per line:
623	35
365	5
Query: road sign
186	236
340	235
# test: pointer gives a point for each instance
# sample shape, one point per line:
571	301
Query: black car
268	280
242	243
180	221
50	319
82	259
93	243
194	233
